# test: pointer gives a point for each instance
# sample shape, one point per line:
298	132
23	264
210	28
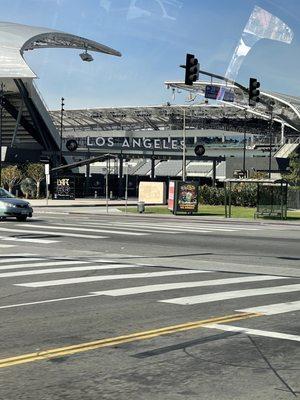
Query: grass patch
237	212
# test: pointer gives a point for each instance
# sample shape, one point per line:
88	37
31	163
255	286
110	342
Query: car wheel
21	218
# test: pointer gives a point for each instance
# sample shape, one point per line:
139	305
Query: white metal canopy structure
15	39
25	121
285	108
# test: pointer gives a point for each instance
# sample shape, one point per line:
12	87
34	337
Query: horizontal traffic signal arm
84	162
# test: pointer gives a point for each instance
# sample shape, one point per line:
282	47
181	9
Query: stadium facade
149	139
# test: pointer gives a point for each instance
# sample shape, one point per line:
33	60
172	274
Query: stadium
147	143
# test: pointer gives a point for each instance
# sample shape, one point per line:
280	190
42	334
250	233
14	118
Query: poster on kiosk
183	197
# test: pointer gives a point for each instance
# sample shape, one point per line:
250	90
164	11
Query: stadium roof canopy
225	116
25	120
15	39
285	108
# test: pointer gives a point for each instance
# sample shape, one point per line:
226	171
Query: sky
153	37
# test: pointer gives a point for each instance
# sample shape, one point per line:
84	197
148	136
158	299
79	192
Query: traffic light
199	150
191	69
253	91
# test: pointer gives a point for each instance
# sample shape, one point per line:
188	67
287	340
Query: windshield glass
5	194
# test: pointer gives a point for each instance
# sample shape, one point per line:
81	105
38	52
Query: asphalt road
135	307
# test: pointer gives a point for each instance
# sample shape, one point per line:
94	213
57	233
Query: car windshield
5	194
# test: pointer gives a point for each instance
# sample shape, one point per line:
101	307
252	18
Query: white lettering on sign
147	143
63	182
100	141
126	143
135	143
110	142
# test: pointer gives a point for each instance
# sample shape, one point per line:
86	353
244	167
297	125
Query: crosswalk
166	286
53	232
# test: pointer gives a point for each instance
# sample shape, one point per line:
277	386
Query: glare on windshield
4	193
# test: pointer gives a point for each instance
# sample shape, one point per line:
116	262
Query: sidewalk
98	206
81	203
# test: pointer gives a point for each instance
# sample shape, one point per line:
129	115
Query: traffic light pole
184	149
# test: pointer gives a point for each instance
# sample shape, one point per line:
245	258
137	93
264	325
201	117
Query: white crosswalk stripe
41	264
185	285
211	297
83	236
272	309
75	228
28	240
72	281
68	269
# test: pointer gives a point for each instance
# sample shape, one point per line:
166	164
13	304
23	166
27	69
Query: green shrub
242	194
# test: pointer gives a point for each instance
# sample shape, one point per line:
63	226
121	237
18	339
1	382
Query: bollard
95	194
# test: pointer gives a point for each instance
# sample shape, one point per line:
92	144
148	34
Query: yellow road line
68	350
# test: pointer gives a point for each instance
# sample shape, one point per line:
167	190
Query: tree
293	177
10	176
28	187
36	172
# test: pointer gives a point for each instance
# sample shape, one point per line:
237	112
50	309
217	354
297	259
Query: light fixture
86	56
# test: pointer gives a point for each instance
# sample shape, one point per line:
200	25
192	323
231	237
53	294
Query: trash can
141	206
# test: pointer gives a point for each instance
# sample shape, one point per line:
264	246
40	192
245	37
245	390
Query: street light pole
61	128
1	120
184	149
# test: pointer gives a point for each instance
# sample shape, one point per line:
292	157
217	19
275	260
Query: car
11	206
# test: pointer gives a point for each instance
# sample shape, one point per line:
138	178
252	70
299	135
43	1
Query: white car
11	206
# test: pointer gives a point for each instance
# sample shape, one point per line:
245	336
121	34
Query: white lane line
30	240
46	301
42	264
17	254
211	297
9	260
122	228
109	278
70	227
254	332
273	309
185	285
68	269
5	246
53	233
188	227
158	227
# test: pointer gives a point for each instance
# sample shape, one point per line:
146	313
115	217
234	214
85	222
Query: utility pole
61	128
1	120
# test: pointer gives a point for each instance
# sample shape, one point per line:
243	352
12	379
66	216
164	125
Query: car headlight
4	204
